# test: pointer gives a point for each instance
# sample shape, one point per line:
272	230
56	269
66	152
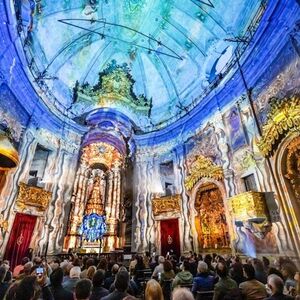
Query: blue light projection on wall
93	227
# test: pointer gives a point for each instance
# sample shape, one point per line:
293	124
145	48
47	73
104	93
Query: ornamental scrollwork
31	196
202	167
166	204
249	209
284	117
115	86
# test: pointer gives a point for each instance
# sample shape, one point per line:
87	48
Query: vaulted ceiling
174	48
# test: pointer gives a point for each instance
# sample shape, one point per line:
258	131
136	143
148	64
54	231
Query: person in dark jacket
203	281
58	292
121	286
3	285
98	290
275	286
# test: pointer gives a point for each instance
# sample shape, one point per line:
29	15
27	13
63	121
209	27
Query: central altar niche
97	190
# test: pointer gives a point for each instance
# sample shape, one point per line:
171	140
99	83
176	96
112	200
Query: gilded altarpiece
210	221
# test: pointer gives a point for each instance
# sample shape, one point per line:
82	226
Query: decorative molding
203	167
31	196
284	117
166	204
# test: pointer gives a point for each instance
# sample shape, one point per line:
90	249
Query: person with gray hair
276	286
203	280
182	294
160	268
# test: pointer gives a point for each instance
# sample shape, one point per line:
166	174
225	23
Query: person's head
202	267
75	272
98	278
122	281
258	265
90	272
182	294
37	261
90	262
3	272
167	266
115	269
56	277
28	289
275	284
161	260
221	270
288	270
25	260
83	289
266	262
153	291
208	259
102	264
249	271
186	265
27	268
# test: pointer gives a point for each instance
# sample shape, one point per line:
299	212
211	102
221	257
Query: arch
194	213
289	208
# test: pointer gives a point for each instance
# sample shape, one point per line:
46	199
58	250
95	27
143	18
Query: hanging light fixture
9	157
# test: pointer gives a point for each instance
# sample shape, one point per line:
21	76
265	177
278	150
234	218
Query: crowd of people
151	278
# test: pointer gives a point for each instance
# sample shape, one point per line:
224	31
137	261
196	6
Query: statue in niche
95	201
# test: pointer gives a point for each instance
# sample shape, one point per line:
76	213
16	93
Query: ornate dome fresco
155	58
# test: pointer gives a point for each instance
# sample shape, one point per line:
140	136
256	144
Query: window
38	166
249	182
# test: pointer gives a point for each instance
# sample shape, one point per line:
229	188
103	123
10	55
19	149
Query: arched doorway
210	219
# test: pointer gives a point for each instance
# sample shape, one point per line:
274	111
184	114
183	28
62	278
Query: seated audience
260	273
19	268
159	268
203	281
225	283
83	289
110	280
288	271
3	285
276	286
58	292
88	263
153	291
182	294
70	283
98	290
121	286
252	289
184	277
90	272
236	270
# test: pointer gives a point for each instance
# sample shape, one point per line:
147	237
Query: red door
19	239
169	236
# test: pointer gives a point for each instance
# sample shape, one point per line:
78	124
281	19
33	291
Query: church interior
155	126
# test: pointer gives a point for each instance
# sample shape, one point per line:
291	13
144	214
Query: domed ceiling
162	53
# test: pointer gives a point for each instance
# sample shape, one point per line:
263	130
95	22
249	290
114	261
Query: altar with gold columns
97	189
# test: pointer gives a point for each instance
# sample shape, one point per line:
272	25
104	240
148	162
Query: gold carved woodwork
284	117
293	166
33	196
166	204
249	206
101	153
203	167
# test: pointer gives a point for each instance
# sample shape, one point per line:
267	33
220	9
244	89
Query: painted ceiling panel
171	47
